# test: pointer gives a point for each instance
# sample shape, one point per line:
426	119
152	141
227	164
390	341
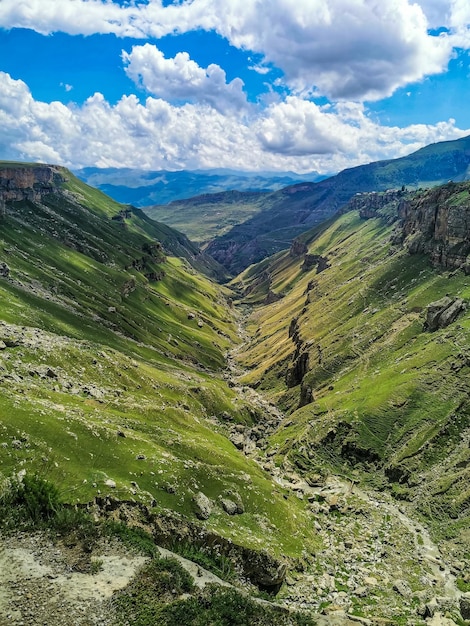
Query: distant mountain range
278	217
144	188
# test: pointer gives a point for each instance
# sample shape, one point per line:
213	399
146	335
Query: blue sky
275	85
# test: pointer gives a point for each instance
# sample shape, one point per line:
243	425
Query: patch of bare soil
47	584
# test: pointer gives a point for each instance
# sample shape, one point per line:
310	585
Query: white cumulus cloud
182	79
344	49
291	135
342	135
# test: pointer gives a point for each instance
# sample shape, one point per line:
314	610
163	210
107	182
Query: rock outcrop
437	223
263	570
28	182
312	260
370	204
443	312
300	358
4	270
297	248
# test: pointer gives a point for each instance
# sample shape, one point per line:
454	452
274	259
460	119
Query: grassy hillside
208	216
111	357
369	393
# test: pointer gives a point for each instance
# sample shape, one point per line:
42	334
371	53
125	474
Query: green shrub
222	606
218	564
32	501
463	586
134	537
160	581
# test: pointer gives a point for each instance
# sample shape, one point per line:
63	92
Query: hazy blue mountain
143	188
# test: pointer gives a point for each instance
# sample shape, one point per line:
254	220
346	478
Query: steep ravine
378	564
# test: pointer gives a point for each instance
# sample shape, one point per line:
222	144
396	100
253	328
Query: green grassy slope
111	357
210	215
381	399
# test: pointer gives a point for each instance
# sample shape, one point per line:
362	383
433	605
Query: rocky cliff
23	182
437	223
373	203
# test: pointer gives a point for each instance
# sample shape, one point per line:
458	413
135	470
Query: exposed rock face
4	270
443	312
28	183
272	297
298	248
312	260
465	606
438	223
263	570
300	358
122	216
306	395
370	203
298	370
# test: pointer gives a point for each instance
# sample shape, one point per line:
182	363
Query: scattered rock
110	483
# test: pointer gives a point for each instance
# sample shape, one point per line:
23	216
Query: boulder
465	606
229	506
202	506
232	503
442	313
265	572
